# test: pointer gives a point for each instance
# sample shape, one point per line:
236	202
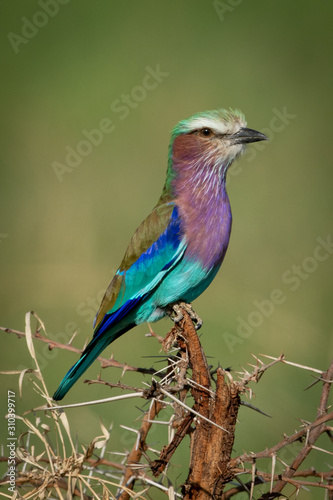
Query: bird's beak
245	135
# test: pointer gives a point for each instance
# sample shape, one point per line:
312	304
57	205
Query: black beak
245	135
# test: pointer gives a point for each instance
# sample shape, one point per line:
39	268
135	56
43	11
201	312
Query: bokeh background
63	229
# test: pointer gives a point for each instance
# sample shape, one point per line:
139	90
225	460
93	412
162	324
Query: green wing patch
145	235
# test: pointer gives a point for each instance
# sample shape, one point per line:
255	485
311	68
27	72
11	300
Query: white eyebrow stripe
217	126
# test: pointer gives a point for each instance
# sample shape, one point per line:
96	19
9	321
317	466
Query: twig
314	432
140	446
88	403
105	363
213	436
287	440
210	423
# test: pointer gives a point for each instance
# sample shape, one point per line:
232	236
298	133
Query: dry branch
210	424
52	344
314	432
139	448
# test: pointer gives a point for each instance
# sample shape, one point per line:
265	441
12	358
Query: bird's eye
206	132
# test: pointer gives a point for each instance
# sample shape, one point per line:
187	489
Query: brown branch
30	479
105	363
297	483
262	476
211	429
139	447
158	466
287	440
211	446
242	487
94	462
154	392
211	441
314	432
117	385
313	473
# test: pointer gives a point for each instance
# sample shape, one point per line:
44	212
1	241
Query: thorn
322	449
71	339
191	409
305	423
257	359
280	358
282	462
245	372
297	365
252	479
228	374
313	383
192	382
158	422
163	356
248	405
273	471
153	334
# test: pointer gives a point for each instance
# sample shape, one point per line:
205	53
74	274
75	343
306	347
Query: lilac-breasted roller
177	250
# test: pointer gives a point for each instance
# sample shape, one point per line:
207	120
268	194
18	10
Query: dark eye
206	132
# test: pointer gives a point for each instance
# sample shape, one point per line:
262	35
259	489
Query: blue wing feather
137	283
147	271
113	318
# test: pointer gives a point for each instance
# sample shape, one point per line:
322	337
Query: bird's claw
176	314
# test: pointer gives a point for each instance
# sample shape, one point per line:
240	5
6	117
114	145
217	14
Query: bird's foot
176	314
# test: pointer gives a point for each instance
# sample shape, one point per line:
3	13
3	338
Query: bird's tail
88	356
93	349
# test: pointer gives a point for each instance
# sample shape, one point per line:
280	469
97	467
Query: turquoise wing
155	248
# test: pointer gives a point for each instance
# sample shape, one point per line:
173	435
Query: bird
178	249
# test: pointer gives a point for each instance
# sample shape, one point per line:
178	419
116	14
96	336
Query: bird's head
212	138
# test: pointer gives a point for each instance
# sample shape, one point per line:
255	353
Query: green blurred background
63	236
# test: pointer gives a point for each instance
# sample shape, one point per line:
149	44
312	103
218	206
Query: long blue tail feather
91	352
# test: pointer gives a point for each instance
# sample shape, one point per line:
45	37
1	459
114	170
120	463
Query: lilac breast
205	213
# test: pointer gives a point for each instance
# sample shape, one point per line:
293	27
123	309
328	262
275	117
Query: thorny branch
210	423
211	466
52	344
314	432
